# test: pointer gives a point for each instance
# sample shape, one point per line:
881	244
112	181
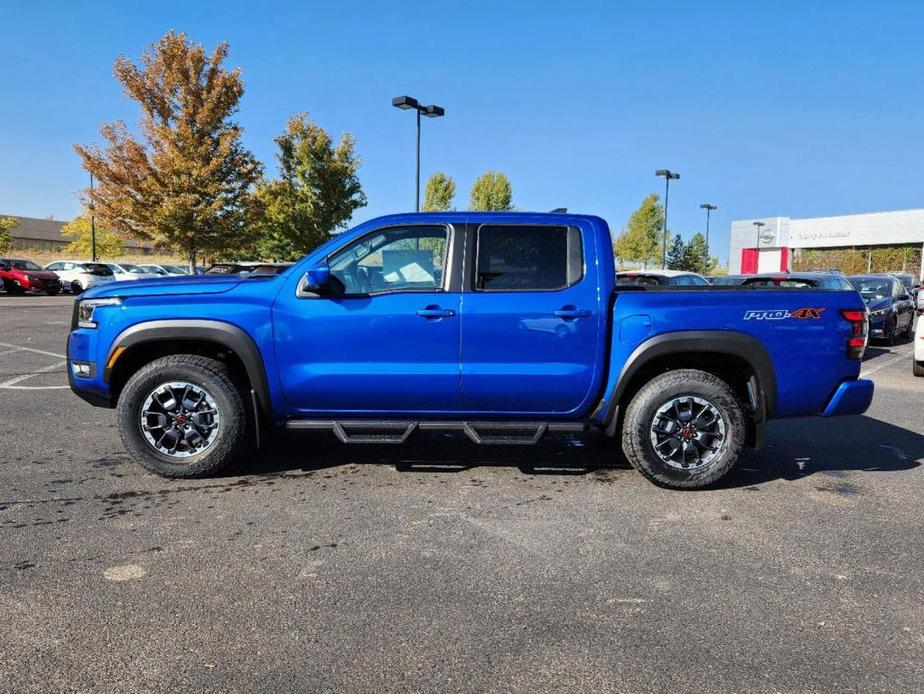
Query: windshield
639	280
24	265
221	270
797	282
134	269
871	289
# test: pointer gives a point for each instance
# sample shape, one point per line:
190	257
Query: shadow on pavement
795	449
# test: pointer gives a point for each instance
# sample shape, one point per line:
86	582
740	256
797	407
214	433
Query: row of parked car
889	297
18	276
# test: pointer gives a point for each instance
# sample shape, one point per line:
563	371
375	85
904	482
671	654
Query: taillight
859	333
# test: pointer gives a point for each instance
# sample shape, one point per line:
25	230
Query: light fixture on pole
709	208
668	176
758	226
406	103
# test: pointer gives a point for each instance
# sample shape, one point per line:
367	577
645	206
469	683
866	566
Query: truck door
531	320
387	339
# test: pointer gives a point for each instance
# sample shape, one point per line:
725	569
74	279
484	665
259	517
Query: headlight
86	308
878	314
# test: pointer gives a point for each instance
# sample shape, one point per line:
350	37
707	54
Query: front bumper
851	397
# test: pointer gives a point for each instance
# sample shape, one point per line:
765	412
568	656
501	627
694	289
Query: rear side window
98	269
528	258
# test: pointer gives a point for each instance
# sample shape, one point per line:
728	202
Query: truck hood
166	286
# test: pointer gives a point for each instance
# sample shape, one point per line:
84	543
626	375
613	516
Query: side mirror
904	297
317	279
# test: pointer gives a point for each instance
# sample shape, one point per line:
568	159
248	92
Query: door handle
435	312
569	312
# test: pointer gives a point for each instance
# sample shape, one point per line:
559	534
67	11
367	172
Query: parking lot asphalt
446	567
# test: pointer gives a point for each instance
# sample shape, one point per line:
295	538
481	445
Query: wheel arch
739	358
141	343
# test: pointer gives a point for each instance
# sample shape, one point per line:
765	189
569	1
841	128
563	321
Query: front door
385	338
531	322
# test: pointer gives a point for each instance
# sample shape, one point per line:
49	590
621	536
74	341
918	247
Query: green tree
316	193
676	254
491	192
696	257
184	183
108	245
6	223
640	241
440	191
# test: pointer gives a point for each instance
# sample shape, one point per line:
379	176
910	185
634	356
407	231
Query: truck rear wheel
182	416
684	429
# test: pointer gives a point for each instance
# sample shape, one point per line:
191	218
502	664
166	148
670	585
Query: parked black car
891	309
812	280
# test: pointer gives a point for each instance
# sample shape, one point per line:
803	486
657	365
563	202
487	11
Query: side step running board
394	432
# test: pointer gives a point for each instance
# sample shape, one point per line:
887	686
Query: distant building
45	235
772	250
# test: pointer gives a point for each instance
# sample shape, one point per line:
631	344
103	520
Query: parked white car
918	364
163	270
79	275
127	271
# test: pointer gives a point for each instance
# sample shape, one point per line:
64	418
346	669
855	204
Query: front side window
528	258
394	259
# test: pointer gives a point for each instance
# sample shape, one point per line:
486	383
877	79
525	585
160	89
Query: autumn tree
316	193
640	241
108	245
440	191
6	223
183	181
491	192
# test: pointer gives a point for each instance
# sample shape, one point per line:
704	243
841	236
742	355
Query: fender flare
727	342
225	334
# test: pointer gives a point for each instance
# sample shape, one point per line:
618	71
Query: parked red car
20	276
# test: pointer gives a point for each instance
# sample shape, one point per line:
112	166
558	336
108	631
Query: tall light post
668	176
92	223
432	111
709	208
758	226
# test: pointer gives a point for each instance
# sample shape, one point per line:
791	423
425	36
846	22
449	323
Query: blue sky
789	108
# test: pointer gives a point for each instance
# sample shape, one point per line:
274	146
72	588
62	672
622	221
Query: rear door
531	320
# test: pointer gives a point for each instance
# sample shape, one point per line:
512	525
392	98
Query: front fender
196	330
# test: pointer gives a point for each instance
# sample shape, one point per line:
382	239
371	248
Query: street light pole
709	208
758	226
92	223
668	176
432	111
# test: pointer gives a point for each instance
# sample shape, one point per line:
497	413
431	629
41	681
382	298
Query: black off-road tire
233	434
917	368
640	414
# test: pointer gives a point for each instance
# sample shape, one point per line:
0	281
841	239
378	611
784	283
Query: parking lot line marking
870	372
10	351
18	379
37	351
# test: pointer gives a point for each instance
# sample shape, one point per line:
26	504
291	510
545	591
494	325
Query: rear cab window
527	258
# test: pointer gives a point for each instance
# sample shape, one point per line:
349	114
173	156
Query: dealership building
767	244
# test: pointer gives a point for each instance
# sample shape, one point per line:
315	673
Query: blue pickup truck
504	327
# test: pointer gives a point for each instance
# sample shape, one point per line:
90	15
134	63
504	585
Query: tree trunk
192	258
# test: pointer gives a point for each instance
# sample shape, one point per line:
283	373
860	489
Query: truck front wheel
684	429
182	416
